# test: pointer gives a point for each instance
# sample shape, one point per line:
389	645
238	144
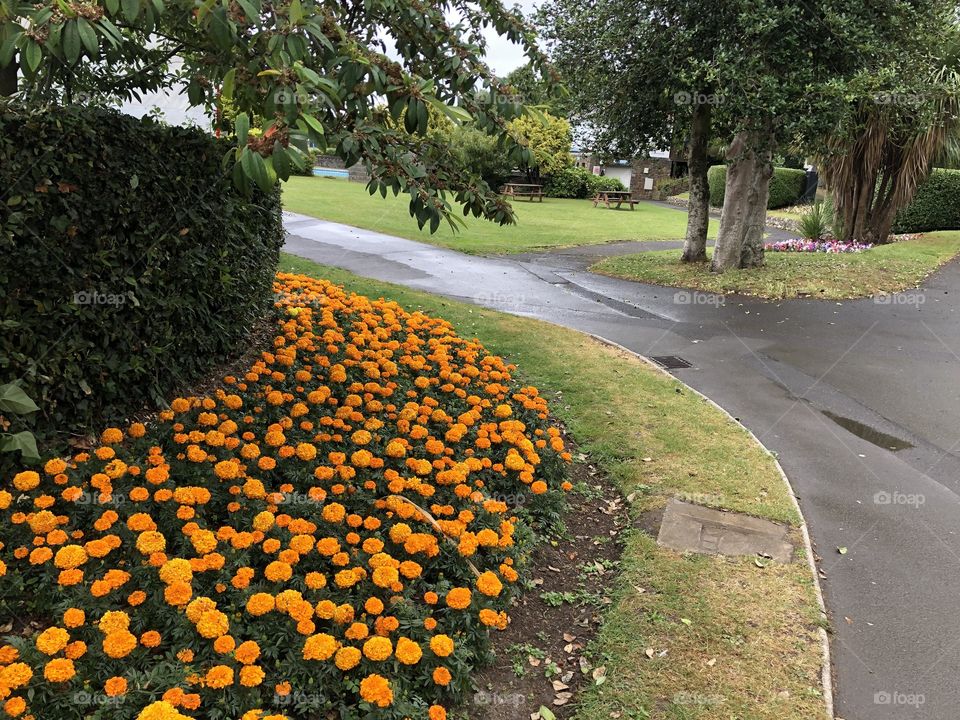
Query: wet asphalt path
831	387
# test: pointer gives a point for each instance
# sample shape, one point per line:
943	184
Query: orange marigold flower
15	706
52	640
458	598
113	621
278	571
26	480
378	648
441	645
119	644
319	647
74	617
489	584
375	689
441	676
251	675
408	652
115	686
59	670
219	676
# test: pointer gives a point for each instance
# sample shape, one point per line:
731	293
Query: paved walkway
831	387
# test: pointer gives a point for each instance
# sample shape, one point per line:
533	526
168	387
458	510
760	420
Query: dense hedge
786	186
130	264
936	206
577	182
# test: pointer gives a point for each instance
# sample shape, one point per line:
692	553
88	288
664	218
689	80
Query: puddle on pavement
872	435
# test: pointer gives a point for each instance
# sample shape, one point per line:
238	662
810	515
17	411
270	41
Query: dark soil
541	657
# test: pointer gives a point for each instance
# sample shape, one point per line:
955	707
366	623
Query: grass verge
884	269
686	636
550	224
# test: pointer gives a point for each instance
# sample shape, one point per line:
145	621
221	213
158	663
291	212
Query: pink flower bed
822	246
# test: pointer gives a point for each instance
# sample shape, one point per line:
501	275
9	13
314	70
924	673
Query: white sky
502	57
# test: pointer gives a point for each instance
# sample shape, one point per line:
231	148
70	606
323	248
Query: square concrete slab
703	530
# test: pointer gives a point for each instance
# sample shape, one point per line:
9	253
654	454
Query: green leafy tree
644	76
311	71
759	74
549	138
476	152
530	88
901	119
788	67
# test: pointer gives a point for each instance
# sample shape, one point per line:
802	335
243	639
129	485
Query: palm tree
873	169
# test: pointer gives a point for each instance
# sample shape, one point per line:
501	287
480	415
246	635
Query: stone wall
654	168
358	173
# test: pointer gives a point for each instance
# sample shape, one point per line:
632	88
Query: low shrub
815	222
577	182
936	205
476	152
338	528
672	186
786	186
130	266
568	183
598	183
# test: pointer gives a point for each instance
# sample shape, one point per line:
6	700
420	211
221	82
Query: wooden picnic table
614	196
524	190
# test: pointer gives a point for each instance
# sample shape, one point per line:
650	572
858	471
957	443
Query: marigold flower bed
341	527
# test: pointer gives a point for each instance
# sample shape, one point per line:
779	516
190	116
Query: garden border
826	670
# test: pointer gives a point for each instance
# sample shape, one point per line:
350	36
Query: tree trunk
751	254
698	206
750	167
8	78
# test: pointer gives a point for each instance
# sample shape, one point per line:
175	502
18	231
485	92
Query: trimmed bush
332	533
577	182
130	263
596	183
786	186
936	206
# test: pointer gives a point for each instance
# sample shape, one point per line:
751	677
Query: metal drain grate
670	362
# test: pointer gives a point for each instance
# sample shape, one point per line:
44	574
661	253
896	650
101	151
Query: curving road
859	399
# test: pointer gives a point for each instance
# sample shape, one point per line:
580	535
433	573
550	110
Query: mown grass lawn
550	224
884	269
727	638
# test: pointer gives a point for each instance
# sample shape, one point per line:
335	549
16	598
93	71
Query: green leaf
281	161
255	168
546	713
131	10
112	6
457	114
195	92
296	12
221	29
251	10
23	441
71	43
8	48
242	127
14	400
226	89
314	124
88	37
32	54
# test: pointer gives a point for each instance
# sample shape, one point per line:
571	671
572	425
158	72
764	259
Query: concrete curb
826	677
